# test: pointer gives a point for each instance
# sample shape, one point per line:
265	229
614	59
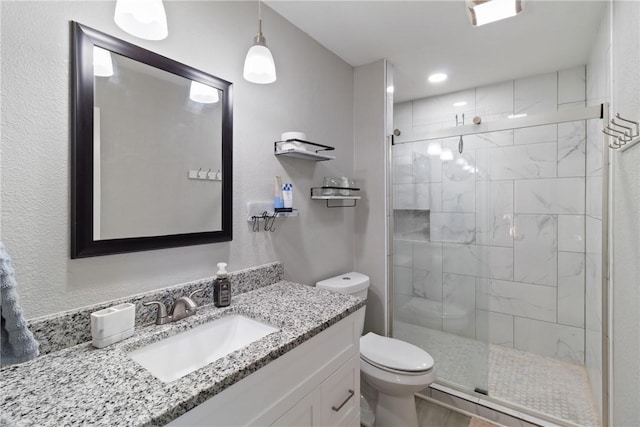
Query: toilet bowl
393	368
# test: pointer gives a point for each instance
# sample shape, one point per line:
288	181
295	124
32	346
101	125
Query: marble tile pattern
494	213
535	383
571	288
61	330
572	149
550	196
518	299
512	212
536	94
453	227
536	249
82	385
550	339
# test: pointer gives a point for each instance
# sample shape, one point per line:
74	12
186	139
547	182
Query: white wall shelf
305	150
329	193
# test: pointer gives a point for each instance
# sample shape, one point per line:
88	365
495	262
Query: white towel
17	343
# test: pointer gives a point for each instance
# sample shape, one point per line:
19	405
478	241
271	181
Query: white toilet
394	368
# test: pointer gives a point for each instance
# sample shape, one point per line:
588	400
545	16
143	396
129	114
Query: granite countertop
85	385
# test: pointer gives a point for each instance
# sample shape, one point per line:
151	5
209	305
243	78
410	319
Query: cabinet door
340	396
302	414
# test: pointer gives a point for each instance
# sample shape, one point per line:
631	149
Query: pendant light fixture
145	19
258	65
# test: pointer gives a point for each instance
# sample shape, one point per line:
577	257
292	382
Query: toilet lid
394	354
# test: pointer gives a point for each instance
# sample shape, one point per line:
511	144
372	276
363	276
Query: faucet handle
196	292
162	317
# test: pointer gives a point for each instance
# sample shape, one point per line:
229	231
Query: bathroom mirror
151	151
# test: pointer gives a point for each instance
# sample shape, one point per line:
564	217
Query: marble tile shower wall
497	232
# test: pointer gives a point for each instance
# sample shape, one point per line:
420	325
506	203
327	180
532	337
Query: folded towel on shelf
17	343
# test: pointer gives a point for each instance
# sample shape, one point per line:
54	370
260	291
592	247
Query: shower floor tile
546	385
541	384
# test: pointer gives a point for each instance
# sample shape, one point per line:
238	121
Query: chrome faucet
183	307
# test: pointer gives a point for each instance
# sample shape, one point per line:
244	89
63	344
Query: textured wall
626	219
314	94
370	171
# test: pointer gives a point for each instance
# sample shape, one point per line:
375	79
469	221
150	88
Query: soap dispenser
221	287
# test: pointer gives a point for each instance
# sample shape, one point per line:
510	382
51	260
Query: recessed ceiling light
460	104
390	89
516	116
437	77
483	12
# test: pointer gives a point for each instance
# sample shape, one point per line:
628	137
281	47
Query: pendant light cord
259	17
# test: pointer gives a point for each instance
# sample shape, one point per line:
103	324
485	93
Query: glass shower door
437	263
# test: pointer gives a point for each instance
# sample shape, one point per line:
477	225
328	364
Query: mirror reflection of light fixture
258	65
203	94
145	19
102	65
485	11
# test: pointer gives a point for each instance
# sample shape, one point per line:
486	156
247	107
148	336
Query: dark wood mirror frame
82	239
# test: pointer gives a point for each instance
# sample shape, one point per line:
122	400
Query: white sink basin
181	354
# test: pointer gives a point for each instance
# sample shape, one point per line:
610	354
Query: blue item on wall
17	342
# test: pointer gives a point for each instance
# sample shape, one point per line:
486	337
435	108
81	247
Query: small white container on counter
112	324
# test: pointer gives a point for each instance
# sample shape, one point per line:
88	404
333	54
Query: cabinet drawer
302	414
340	396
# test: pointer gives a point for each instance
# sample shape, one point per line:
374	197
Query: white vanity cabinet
314	384
336	402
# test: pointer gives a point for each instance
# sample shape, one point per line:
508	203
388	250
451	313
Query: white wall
370	98
626	219
314	94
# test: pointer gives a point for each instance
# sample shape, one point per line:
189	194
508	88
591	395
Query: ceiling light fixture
485	11
437	78
203	94
516	116
258	65
460	104
102	65
145	19
390	89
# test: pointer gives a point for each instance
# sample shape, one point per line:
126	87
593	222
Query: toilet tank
351	284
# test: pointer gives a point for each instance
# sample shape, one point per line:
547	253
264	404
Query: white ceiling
422	37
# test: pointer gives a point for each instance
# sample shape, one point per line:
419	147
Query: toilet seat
393	355
391	370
